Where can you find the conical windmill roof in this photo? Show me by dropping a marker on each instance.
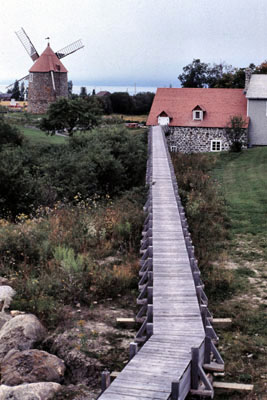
(48, 61)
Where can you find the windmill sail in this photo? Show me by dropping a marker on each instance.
(27, 44)
(71, 48)
(25, 78)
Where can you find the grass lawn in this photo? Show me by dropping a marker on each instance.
(134, 118)
(38, 137)
(243, 179)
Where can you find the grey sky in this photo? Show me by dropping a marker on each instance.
(128, 41)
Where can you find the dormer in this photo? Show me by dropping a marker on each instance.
(164, 118)
(198, 113)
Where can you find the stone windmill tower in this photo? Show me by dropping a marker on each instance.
(48, 78)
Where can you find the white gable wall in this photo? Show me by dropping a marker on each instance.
(163, 120)
(257, 112)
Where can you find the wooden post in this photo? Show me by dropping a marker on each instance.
(149, 329)
(150, 278)
(204, 311)
(175, 390)
(133, 350)
(149, 295)
(105, 380)
(207, 352)
(194, 368)
(149, 313)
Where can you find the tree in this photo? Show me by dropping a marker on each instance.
(216, 72)
(70, 86)
(142, 102)
(22, 91)
(122, 102)
(83, 92)
(235, 132)
(222, 75)
(15, 91)
(82, 114)
(195, 74)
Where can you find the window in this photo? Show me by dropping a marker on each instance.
(198, 115)
(174, 148)
(216, 145)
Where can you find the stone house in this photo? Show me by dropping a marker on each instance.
(197, 118)
(256, 93)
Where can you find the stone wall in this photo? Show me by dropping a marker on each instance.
(41, 93)
(197, 140)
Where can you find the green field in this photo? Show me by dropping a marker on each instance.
(243, 180)
(38, 137)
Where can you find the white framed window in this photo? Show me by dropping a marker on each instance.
(31, 77)
(174, 149)
(216, 145)
(197, 115)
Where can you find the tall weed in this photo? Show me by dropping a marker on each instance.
(206, 213)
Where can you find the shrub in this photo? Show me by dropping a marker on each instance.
(58, 258)
(10, 135)
(103, 162)
(236, 132)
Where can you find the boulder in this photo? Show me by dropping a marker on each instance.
(31, 366)
(31, 391)
(20, 333)
(4, 318)
(6, 295)
(82, 366)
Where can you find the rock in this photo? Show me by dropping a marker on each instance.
(6, 294)
(82, 367)
(14, 313)
(4, 318)
(20, 333)
(31, 366)
(31, 391)
(78, 392)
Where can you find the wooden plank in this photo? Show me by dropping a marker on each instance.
(232, 386)
(221, 322)
(125, 321)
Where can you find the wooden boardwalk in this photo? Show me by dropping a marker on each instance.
(176, 340)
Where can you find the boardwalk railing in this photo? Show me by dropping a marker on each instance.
(174, 349)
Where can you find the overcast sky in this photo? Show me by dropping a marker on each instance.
(146, 42)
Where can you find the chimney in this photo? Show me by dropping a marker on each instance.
(248, 73)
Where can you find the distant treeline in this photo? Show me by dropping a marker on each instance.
(121, 102)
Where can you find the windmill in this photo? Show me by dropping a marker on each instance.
(47, 77)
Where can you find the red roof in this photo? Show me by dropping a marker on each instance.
(219, 105)
(47, 62)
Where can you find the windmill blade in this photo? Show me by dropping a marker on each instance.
(27, 44)
(71, 48)
(18, 80)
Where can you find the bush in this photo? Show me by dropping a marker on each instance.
(102, 162)
(10, 135)
(236, 133)
(60, 258)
